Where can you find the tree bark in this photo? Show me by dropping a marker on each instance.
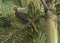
(51, 22)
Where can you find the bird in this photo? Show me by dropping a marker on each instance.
(25, 18)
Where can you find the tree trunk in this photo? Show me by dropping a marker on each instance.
(51, 23)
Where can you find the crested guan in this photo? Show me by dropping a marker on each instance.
(25, 18)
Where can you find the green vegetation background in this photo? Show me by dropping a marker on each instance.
(13, 31)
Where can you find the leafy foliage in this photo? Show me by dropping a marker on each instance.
(16, 32)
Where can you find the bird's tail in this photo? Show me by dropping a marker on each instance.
(34, 26)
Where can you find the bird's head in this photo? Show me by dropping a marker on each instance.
(14, 8)
(19, 9)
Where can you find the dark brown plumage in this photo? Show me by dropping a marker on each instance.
(24, 18)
